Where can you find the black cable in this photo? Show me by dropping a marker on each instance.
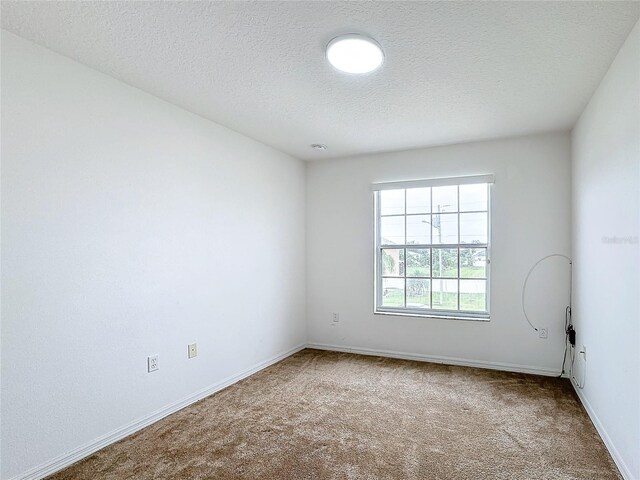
(567, 316)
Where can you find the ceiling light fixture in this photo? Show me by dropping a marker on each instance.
(318, 146)
(355, 54)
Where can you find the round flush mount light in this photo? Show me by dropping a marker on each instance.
(354, 54)
(318, 146)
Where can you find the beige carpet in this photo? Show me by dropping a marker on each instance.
(323, 415)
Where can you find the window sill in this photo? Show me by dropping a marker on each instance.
(395, 313)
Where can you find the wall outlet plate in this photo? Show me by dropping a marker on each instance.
(543, 332)
(193, 350)
(152, 363)
(335, 317)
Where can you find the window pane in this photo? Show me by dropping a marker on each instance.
(418, 200)
(393, 262)
(473, 263)
(473, 197)
(473, 228)
(444, 262)
(445, 228)
(393, 292)
(433, 247)
(418, 262)
(392, 230)
(473, 295)
(418, 294)
(392, 202)
(445, 199)
(418, 229)
(445, 294)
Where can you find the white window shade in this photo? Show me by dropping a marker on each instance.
(433, 182)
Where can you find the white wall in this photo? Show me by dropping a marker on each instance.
(606, 204)
(531, 218)
(131, 227)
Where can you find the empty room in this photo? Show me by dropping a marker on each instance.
(320, 240)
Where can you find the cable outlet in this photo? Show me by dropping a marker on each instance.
(193, 350)
(543, 332)
(152, 363)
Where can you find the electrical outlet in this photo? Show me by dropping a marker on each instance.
(335, 317)
(152, 363)
(543, 332)
(583, 352)
(193, 350)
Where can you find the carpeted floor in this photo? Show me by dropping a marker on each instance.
(325, 415)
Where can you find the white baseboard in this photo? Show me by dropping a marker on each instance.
(617, 458)
(79, 453)
(508, 367)
(73, 456)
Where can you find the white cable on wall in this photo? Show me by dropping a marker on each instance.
(524, 285)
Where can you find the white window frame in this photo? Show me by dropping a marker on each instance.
(423, 312)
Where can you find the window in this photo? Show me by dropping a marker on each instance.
(433, 247)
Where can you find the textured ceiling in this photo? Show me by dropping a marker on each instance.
(454, 71)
